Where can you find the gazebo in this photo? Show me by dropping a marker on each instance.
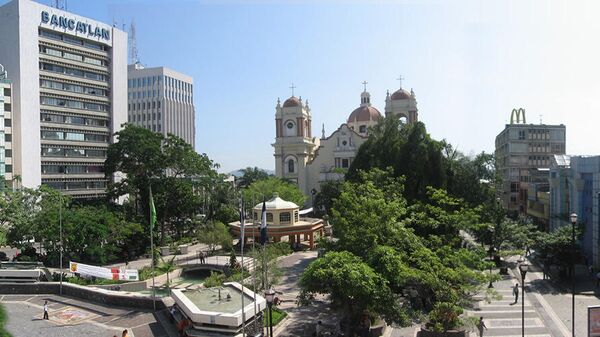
(283, 219)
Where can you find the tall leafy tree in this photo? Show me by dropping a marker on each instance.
(408, 150)
(267, 187)
(250, 175)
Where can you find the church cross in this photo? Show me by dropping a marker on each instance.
(399, 79)
(292, 87)
(364, 83)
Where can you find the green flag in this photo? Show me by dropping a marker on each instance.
(152, 211)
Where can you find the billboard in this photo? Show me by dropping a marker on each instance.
(594, 321)
(105, 273)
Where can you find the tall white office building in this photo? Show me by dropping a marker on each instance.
(69, 77)
(161, 100)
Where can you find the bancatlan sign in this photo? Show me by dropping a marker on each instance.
(105, 273)
(74, 25)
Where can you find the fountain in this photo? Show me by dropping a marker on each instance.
(219, 309)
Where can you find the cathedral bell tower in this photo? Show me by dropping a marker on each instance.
(294, 144)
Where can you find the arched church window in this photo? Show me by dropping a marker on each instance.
(362, 129)
(291, 165)
(290, 125)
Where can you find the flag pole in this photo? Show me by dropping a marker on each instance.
(254, 260)
(242, 225)
(152, 217)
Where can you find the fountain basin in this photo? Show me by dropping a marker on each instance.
(207, 312)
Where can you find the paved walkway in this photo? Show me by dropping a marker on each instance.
(300, 320)
(73, 317)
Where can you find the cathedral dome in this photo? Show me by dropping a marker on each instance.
(364, 114)
(400, 94)
(291, 102)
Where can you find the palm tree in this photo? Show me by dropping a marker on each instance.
(168, 267)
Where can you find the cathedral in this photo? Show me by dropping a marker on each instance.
(310, 161)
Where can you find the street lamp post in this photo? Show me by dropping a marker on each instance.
(491, 254)
(270, 296)
(523, 268)
(573, 224)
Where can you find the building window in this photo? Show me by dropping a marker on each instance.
(285, 217)
(291, 166)
(296, 216)
(8, 153)
(362, 129)
(6, 92)
(270, 217)
(7, 107)
(345, 163)
(521, 134)
(7, 137)
(8, 122)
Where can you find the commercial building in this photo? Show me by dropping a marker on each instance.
(69, 76)
(161, 100)
(575, 188)
(5, 129)
(522, 153)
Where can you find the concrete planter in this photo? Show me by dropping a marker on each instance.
(184, 249)
(164, 251)
(450, 333)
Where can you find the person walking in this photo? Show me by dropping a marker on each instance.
(481, 326)
(46, 310)
(516, 292)
(125, 333)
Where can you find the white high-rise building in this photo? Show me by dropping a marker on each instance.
(161, 100)
(69, 77)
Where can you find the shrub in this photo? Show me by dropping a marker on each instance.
(445, 316)
(214, 280)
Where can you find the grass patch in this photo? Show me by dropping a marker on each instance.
(3, 318)
(278, 316)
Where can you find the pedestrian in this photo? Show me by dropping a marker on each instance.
(125, 334)
(319, 329)
(481, 326)
(516, 292)
(45, 309)
(591, 271)
(598, 279)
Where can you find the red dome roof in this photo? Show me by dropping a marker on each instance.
(292, 101)
(364, 114)
(400, 94)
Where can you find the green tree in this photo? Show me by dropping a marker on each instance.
(367, 212)
(323, 202)
(556, 248)
(409, 150)
(168, 266)
(353, 286)
(215, 234)
(267, 187)
(250, 175)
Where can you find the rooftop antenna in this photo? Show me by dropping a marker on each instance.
(3, 73)
(541, 119)
(133, 52)
(60, 4)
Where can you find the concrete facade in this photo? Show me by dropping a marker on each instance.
(161, 100)
(6, 176)
(310, 161)
(575, 188)
(522, 152)
(69, 98)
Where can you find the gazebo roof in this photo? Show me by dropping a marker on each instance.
(276, 203)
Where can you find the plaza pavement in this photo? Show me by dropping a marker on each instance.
(73, 317)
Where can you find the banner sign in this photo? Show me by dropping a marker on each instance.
(594, 321)
(105, 273)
